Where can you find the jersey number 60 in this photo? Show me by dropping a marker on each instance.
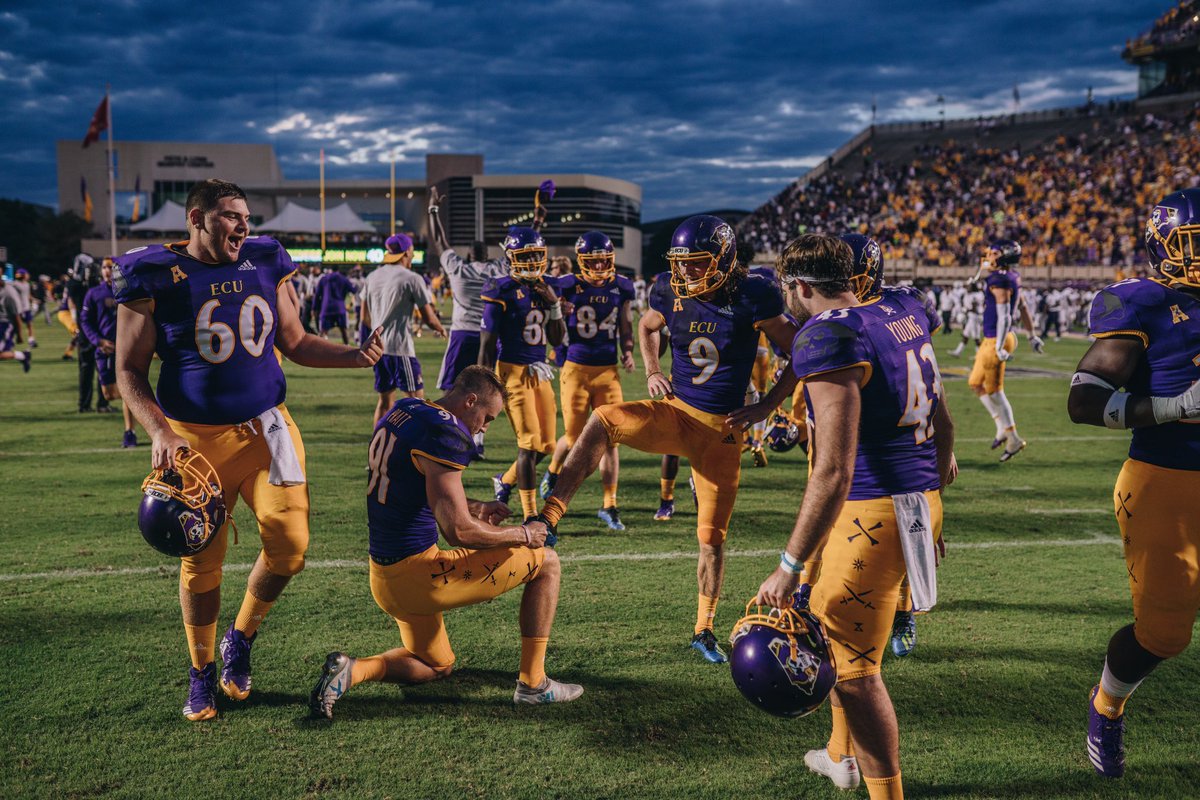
(215, 340)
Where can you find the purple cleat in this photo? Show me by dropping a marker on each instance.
(1105, 741)
(503, 490)
(666, 510)
(235, 671)
(202, 693)
(130, 439)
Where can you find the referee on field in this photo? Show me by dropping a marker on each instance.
(390, 295)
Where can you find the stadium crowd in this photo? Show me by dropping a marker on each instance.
(1179, 23)
(1070, 200)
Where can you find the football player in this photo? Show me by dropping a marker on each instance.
(24, 292)
(1143, 372)
(521, 313)
(465, 279)
(715, 312)
(390, 295)
(880, 448)
(98, 322)
(330, 302)
(215, 308)
(416, 459)
(10, 319)
(1001, 300)
(761, 374)
(600, 329)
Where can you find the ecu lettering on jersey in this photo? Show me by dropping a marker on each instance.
(215, 328)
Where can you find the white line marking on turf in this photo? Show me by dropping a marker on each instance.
(350, 563)
(363, 444)
(1057, 511)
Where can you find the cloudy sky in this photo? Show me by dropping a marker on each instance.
(707, 104)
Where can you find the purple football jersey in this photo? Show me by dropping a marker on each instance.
(98, 319)
(399, 519)
(1168, 323)
(1011, 280)
(594, 324)
(509, 312)
(915, 298)
(332, 289)
(889, 337)
(713, 348)
(216, 327)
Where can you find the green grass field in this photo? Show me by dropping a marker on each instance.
(991, 704)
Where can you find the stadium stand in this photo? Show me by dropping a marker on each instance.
(1070, 184)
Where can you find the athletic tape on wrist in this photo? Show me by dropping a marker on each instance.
(555, 312)
(1166, 409)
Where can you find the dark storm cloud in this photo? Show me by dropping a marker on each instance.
(706, 104)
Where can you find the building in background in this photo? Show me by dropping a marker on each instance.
(478, 206)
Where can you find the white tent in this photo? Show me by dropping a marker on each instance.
(170, 218)
(298, 219)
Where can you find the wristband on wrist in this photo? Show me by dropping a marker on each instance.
(556, 311)
(650, 375)
(790, 564)
(527, 535)
(1114, 412)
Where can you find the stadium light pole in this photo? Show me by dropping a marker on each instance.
(322, 193)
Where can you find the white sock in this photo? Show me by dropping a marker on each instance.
(1113, 687)
(19, 355)
(1007, 423)
(958, 349)
(989, 403)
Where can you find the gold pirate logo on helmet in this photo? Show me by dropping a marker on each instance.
(781, 661)
(1173, 237)
(527, 254)
(182, 508)
(594, 255)
(702, 255)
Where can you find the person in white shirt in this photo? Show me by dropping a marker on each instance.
(390, 295)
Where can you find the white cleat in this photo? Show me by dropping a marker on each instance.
(334, 681)
(844, 773)
(550, 691)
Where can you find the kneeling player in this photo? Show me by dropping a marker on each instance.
(1147, 340)
(416, 458)
(881, 448)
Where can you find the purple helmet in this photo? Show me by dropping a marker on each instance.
(1002, 254)
(782, 662)
(183, 508)
(784, 434)
(703, 253)
(1173, 237)
(594, 254)
(867, 279)
(526, 251)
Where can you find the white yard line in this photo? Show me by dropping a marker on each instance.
(361, 564)
(319, 445)
(1069, 511)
